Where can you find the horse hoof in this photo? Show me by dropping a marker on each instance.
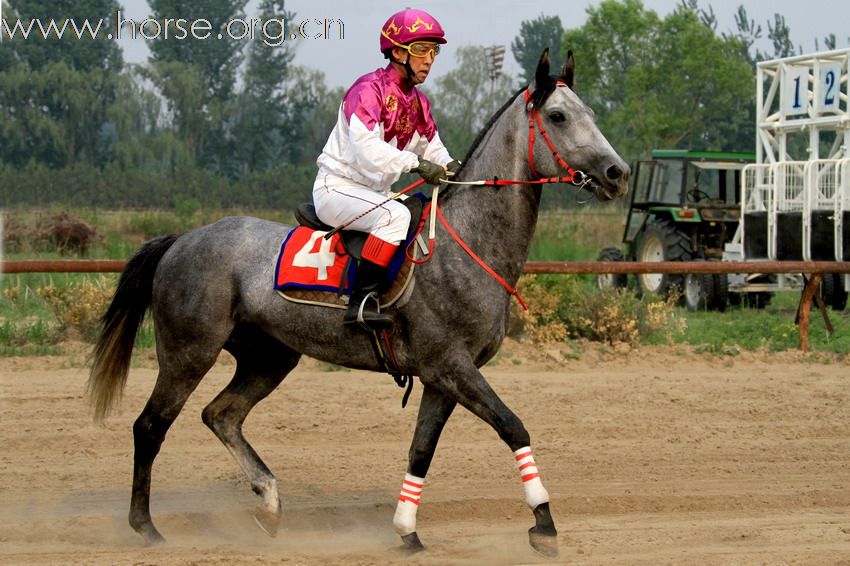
(412, 544)
(267, 520)
(154, 541)
(147, 531)
(542, 544)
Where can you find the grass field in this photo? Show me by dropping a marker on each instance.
(38, 312)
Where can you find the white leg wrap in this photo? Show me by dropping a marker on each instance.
(404, 520)
(535, 493)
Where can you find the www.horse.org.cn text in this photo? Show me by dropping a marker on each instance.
(273, 32)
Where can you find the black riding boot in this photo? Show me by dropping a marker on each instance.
(369, 278)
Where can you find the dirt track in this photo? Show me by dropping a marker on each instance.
(737, 461)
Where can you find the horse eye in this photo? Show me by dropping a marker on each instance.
(557, 116)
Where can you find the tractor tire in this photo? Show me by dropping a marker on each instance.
(721, 292)
(615, 280)
(661, 241)
(833, 292)
(699, 292)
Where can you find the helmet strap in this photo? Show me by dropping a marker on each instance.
(408, 70)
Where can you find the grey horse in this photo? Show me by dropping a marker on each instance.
(212, 288)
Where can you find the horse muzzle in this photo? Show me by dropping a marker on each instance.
(614, 184)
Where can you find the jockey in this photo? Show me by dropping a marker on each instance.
(384, 129)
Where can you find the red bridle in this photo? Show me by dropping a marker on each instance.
(573, 176)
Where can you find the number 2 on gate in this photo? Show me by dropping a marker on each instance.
(321, 259)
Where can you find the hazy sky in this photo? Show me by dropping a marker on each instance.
(498, 22)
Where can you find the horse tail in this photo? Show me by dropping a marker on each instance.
(120, 324)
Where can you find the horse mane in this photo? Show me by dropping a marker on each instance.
(483, 131)
(538, 97)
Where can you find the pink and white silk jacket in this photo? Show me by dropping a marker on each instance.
(382, 129)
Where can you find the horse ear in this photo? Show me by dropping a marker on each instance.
(541, 75)
(569, 70)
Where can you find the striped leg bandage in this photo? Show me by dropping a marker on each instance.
(535, 493)
(404, 520)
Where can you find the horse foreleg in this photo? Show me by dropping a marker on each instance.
(434, 410)
(255, 378)
(464, 383)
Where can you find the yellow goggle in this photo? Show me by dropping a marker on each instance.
(417, 48)
(422, 48)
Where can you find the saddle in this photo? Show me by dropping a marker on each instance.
(353, 240)
(346, 247)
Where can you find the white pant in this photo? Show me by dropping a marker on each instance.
(338, 200)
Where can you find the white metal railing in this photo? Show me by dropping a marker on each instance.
(821, 180)
(757, 195)
(842, 205)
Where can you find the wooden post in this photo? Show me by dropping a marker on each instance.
(805, 308)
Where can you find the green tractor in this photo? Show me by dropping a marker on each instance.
(685, 206)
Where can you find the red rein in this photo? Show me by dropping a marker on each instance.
(573, 176)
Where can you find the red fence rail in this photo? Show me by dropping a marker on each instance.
(539, 267)
(813, 268)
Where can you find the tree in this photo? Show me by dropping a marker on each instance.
(535, 36)
(780, 34)
(84, 53)
(216, 59)
(656, 83)
(312, 109)
(260, 110)
(56, 115)
(748, 32)
(461, 99)
(198, 76)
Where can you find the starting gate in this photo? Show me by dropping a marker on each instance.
(796, 197)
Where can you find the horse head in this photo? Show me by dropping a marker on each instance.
(572, 132)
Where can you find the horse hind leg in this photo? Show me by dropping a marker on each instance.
(261, 365)
(172, 389)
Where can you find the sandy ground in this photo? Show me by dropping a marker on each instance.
(659, 456)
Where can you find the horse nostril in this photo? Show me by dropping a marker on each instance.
(613, 173)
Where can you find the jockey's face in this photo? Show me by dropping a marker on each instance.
(421, 65)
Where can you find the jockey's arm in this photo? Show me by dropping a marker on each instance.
(375, 155)
(436, 152)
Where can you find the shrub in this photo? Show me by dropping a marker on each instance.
(65, 234)
(561, 307)
(543, 321)
(615, 315)
(78, 307)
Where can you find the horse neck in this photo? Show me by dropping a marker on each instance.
(497, 222)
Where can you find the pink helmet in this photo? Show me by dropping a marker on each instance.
(410, 25)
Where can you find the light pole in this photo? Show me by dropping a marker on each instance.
(495, 58)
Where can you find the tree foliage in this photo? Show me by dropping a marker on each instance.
(535, 36)
(260, 111)
(227, 123)
(81, 54)
(661, 83)
(216, 59)
(464, 99)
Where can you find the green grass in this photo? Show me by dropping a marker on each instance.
(576, 235)
(29, 338)
(28, 326)
(771, 329)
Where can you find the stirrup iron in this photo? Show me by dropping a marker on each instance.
(374, 296)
